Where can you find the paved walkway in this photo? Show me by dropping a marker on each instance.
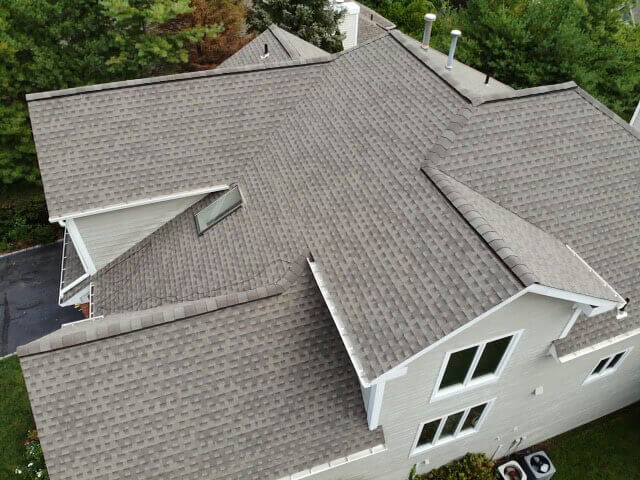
(29, 283)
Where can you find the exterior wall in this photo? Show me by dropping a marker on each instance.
(108, 235)
(516, 412)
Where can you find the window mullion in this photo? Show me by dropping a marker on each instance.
(474, 363)
(462, 420)
(436, 437)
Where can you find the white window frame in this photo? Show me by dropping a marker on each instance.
(459, 433)
(469, 383)
(606, 371)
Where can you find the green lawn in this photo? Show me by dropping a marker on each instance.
(15, 416)
(605, 449)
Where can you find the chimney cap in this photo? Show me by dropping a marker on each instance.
(430, 16)
(456, 33)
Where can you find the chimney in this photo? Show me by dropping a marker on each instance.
(429, 18)
(348, 26)
(452, 49)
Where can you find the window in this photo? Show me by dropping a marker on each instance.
(607, 365)
(219, 209)
(455, 425)
(473, 366)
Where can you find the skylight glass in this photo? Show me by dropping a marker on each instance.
(219, 209)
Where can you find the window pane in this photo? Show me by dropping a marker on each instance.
(474, 417)
(491, 356)
(451, 424)
(428, 432)
(600, 366)
(220, 208)
(458, 366)
(615, 360)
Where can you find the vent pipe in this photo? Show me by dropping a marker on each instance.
(429, 18)
(266, 51)
(452, 49)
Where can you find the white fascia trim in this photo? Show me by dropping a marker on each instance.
(138, 203)
(598, 346)
(81, 248)
(635, 116)
(336, 463)
(603, 305)
(602, 280)
(335, 315)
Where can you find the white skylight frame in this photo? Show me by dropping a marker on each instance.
(469, 382)
(458, 434)
(232, 189)
(606, 371)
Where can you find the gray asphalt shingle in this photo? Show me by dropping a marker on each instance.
(255, 390)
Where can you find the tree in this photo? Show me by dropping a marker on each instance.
(315, 21)
(53, 44)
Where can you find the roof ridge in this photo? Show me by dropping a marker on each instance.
(480, 224)
(286, 45)
(526, 92)
(118, 324)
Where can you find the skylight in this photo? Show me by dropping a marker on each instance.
(223, 206)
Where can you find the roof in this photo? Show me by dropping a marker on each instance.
(532, 254)
(328, 154)
(199, 389)
(296, 191)
(562, 161)
(281, 44)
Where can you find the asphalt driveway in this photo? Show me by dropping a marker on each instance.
(29, 283)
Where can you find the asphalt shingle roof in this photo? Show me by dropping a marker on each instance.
(197, 390)
(562, 161)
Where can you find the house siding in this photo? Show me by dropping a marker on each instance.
(516, 412)
(108, 235)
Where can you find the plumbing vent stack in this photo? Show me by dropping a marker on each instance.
(429, 18)
(266, 51)
(452, 49)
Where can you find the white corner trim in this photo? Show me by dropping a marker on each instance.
(635, 116)
(141, 202)
(375, 405)
(598, 346)
(572, 319)
(335, 315)
(335, 463)
(81, 248)
(602, 280)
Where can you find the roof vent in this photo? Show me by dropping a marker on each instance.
(429, 18)
(455, 34)
(266, 52)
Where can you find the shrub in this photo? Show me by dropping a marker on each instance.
(33, 466)
(473, 466)
(25, 223)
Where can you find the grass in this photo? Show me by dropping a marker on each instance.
(15, 416)
(605, 449)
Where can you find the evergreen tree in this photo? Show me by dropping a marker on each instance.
(315, 21)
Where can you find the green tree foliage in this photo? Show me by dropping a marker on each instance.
(526, 43)
(52, 44)
(473, 466)
(312, 20)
